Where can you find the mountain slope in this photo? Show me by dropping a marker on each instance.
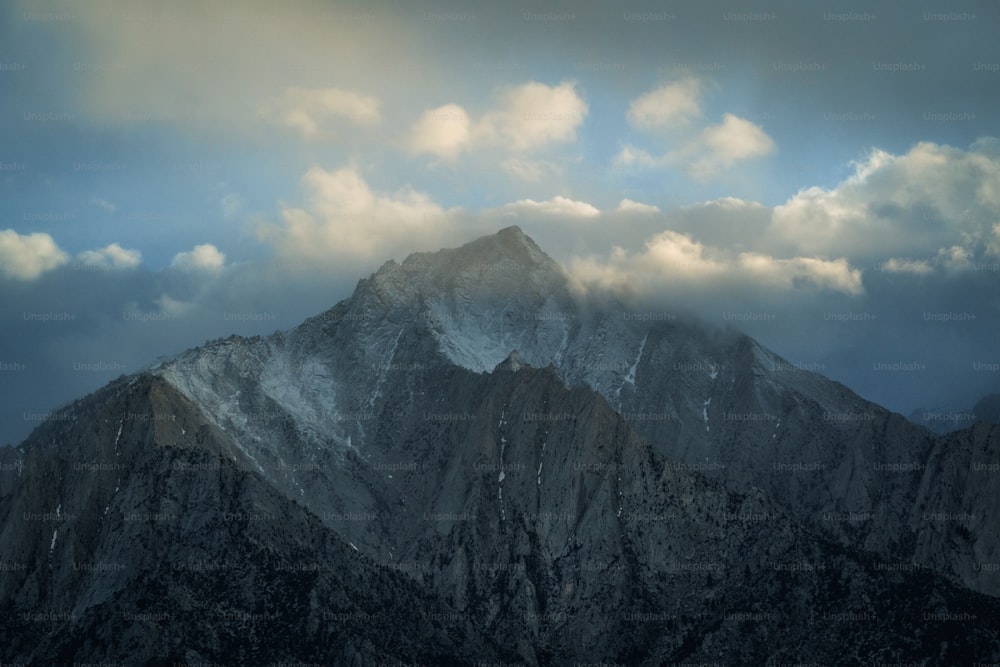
(535, 513)
(715, 401)
(133, 533)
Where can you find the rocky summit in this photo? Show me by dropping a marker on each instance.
(473, 461)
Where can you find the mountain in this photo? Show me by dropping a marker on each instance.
(472, 460)
(943, 421)
(948, 420)
(987, 409)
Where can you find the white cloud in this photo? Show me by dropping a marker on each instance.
(728, 204)
(444, 132)
(27, 256)
(629, 206)
(931, 198)
(715, 148)
(993, 241)
(722, 146)
(344, 218)
(676, 261)
(955, 258)
(534, 114)
(529, 117)
(205, 257)
(112, 256)
(557, 206)
(529, 171)
(631, 155)
(312, 111)
(669, 105)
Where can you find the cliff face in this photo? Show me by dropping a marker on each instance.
(133, 534)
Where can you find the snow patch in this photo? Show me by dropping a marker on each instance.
(630, 377)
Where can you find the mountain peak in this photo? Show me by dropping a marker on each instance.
(514, 362)
(509, 249)
(513, 231)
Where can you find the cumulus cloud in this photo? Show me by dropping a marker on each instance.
(312, 111)
(932, 201)
(534, 114)
(27, 256)
(204, 257)
(667, 106)
(111, 257)
(444, 131)
(528, 117)
(628, 206)
(715, 148)
(722, 146)
(557, 206)
(345, 218)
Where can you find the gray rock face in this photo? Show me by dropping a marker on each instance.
(160, 548)
(466, 461)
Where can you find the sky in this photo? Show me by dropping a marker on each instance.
(822, 175)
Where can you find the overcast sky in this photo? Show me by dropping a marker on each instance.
(824, 175)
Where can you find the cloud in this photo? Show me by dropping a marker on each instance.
(722, 146)
(534, 115)
(312, 111)
(676, 263)
(557, 206)
(104, 204)
(931, 201)
(345, 219)
(529, 171)
(715, 148)
(955, 258)
(528, 117)
(671, 105)
(444, 132)
(632, 155)
(209, 69)
(27, 256)
(111, 257)
(902, 265)
(629, 206)
(205, 258)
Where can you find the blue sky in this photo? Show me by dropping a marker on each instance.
(171, 173)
